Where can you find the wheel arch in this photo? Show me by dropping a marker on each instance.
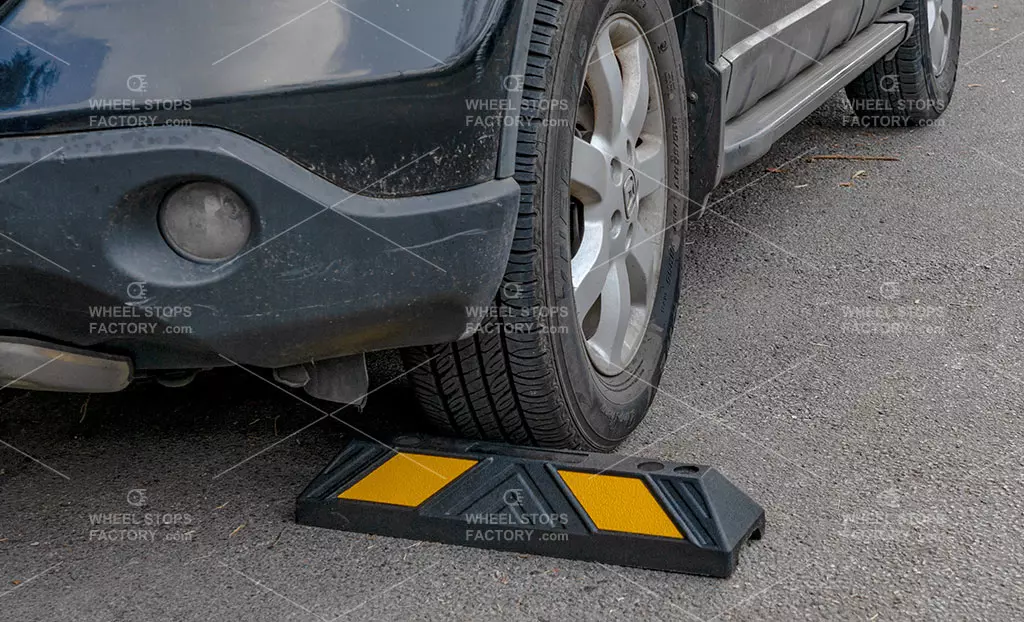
(705, 95)
(704, 90)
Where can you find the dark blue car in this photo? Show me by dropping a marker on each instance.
(496, 188)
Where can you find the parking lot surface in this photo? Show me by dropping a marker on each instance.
(848, 350)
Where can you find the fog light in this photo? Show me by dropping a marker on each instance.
(205, 222)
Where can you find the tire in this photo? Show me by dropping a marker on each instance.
(525, 376)
(906, 90)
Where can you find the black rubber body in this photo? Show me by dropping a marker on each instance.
(517, 499)
(903, 90)
(525, 377)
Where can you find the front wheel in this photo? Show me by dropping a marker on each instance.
(574, 348)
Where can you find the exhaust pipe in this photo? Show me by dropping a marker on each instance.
(40, 366)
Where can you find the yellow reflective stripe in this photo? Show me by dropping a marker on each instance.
(407, 479)
(617, 503)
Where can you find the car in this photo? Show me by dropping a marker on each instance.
(497, 189)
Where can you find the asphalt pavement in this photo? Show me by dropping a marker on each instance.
(853, 329)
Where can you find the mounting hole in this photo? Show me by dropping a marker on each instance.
(616, 223)
(686, 469)
(617, 171)
(650, 466)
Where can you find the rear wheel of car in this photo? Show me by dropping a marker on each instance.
(573, 350)
(915, 86)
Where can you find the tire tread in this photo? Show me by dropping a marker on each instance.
(498, 384)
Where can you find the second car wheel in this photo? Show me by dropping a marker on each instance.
(915, 85)
(574, 348)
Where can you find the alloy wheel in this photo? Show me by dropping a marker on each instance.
(619, 197)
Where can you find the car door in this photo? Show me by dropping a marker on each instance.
(765, 43)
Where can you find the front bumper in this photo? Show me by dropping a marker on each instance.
(83, 262)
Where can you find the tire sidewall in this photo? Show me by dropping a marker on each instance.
(606, 409)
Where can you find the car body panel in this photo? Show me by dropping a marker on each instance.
(752, 134)
(875, 9)
(347, 91)
(767, 43)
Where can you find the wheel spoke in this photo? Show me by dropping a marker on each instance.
(616, 308)
(589, 172)
(590, 268)
(641, 257)
(605, 80)
(940, 21)
(937, 37)
(650, 167)
(946, 15)
(636, 86)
